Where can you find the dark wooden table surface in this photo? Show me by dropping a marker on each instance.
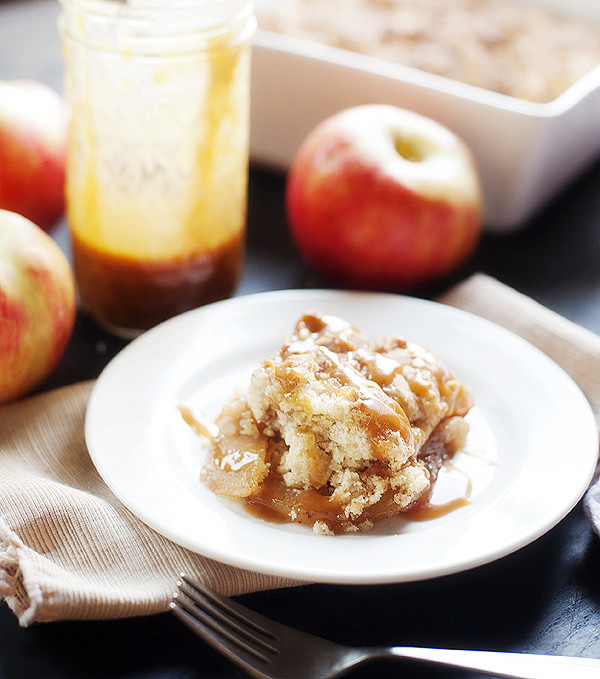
(544, 598)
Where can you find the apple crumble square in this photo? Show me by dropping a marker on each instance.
(335, 431)
(510, 47)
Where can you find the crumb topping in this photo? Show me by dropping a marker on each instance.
(336, 431)
(514, 48)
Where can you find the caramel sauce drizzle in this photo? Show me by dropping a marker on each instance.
(368, 373)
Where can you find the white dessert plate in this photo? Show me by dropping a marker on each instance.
(530, 454)
(526, 152)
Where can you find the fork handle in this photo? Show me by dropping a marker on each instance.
(499, 664)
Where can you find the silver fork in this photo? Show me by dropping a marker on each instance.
(271, 650)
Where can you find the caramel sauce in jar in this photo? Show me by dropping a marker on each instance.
(158, 154)
(122, 292)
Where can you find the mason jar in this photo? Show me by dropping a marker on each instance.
(157, 167)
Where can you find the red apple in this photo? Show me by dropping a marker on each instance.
(33, 148)
(384, 198)
(37, 305)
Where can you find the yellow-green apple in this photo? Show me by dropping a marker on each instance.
(37, 305)
(381, 197)
(33, 147)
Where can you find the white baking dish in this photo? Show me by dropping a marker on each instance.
(526, 152)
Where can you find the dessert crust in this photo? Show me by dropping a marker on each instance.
(510, 47)
(333, 429)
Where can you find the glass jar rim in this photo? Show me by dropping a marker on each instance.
(201, 13)
(151, 27)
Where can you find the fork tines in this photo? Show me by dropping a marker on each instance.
(219, 622)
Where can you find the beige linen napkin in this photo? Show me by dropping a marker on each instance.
(70, 550)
